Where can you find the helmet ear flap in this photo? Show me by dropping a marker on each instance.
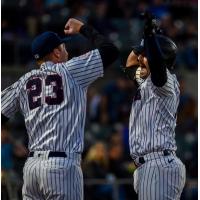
(138, 49)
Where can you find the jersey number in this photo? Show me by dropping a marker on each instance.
(34, 87)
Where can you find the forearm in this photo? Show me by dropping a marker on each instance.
(108, 51)
(155, 61)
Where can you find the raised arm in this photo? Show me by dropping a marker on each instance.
(160, 51)
(155, 61)
(108, 51)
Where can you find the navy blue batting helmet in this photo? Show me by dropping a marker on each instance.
(167, 46)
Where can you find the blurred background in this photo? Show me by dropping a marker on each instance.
(107, 166)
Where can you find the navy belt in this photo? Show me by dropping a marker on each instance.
(51, 154)
(165, 153)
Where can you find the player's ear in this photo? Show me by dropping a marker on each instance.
(56, 53)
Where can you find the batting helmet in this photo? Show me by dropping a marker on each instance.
(168, 49)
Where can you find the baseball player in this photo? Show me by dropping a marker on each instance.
(159, 174)
(52, 100)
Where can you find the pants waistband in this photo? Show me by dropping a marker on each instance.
(138, 161)
(51, 154)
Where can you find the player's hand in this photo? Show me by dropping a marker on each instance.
(150, 23)
(72, 26)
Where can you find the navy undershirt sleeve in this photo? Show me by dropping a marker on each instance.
(155, 61)
(108, 51)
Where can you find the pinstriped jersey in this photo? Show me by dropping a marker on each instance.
(153, 117)
(52, 100)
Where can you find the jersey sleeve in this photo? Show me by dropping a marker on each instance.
(169, 87)
(86, 68)
(10, 100)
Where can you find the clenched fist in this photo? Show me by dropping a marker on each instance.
(73, 26)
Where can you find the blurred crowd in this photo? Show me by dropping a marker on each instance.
(119, 20)
(106, 154)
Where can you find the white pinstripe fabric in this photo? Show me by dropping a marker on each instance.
(53, 178)
(151, 131)
(159, 179)
(53, 102)
(153, 117)
(67, 119)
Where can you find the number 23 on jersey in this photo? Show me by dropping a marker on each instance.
(35, 87)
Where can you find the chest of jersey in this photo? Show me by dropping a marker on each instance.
(143, 94)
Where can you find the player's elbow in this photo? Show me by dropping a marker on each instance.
(109, 54)
(114, 54)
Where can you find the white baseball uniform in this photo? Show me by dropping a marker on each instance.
(53, 102)
(160, 174)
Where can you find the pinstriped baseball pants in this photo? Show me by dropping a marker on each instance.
(160, 179)
(52, 179)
